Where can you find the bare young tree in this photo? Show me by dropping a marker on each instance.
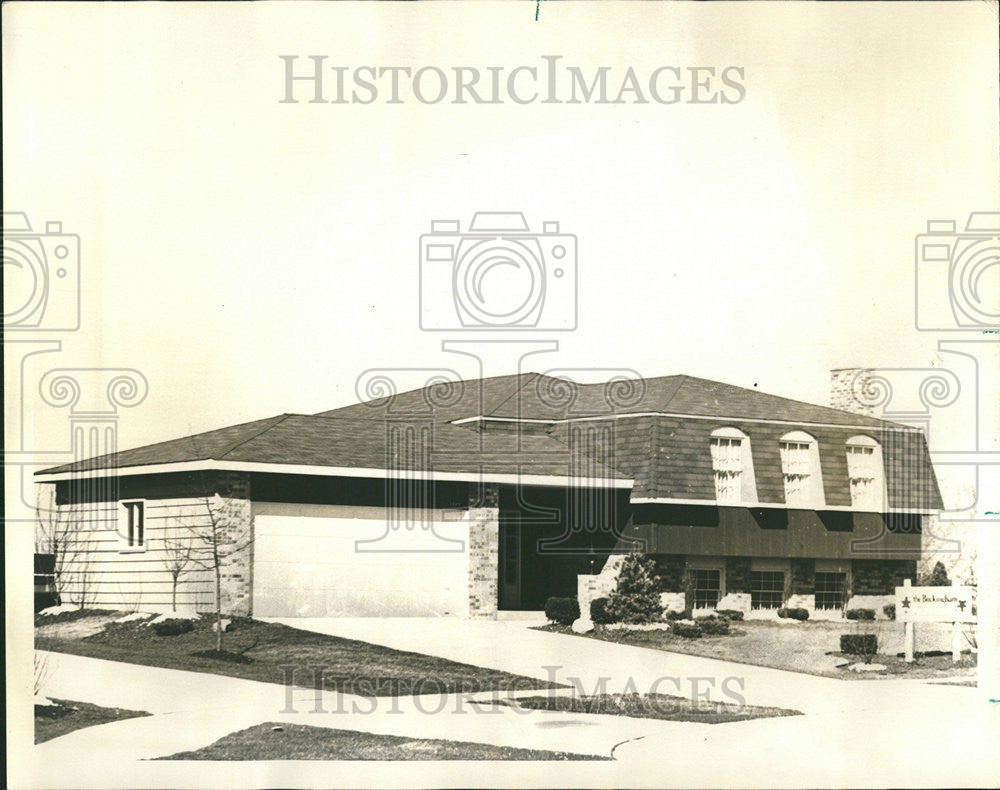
(179, 556)
(60, 532)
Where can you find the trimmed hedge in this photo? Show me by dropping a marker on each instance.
(711, 626)
(173, 627)
(562, 610)
(599, 613)
(730, 614)
(860, 614)
(682, 615)
(796, 613)
(686, 630)
(889, 610)
(859, 644)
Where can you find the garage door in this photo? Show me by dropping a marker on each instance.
(332, 561)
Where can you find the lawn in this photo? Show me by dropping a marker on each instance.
(666, 707)
(811, 647)
(273, 741)
(271, 652)
(65, 716)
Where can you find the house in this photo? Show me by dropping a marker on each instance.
(468, 498)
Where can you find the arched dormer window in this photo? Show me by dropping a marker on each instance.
(801, 470)
(732, 466)
(866, 473)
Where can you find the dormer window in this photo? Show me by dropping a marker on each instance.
(864, 469)
(732, 466)
(801, 470)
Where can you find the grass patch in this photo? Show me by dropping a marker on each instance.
(667, 707)
(925, 665)
(303, 742)
(271, 652)
(65, 716)
(811, 647)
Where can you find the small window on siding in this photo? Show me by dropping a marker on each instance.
(801, 470)
(132, 525)
(732, 467)
(865, 472)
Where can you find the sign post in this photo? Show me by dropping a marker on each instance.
(933, 605)
(909, 638)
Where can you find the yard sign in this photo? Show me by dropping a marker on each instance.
(933, 605)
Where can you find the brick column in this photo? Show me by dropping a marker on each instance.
(484, 549)
(237, 529)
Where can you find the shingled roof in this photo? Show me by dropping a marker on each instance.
(660, 429)
(376, 444)
(534, 396)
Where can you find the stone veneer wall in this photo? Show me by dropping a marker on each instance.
(484, 550)
(880, 577)
(803, 581)
(738, 574)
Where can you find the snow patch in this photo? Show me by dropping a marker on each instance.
(61, 609)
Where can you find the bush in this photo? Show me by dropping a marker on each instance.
(675, 615)
(797, 614)
(636, 599)
(599, 613)
(686, 630)
(783, 612)
(860, 614)
(173, 627)
(730, 614)
(562, 610)
(889, 610)
(711, 626)
(863, 645)
(938, 577)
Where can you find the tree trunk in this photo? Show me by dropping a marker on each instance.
(173, 597)
(218, 606)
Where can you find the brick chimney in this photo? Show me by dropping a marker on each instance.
(847, 388)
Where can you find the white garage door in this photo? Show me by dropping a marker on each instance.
(308, 562)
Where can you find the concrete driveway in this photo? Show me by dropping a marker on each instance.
(853, 732)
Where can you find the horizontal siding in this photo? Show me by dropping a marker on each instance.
(98, 572)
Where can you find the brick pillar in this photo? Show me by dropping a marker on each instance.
(484, 550)
(235, 522)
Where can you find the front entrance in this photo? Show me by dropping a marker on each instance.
(510, 561)
(543, 547)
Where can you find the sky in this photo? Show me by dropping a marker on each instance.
(251, 257)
